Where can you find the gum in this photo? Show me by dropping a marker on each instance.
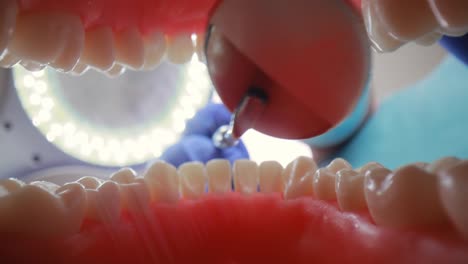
(168, 16)
(238, 229)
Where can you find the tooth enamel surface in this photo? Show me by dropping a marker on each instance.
(219, 176)
(8, 11)
(338, 164)
(104, 204)
(443, 164)
(192, 180)
(40, 37)
(155, 49)
(324, 184)
(453, 186)
(89, 182)
(34, 211)
(451, 16)
(369, 166)
(299, 176)
(79, 69)
(124, 176)
(163, 182)
(99, 50)
(350, 190)
(270, 177)
(245, 176)
(129, 48)
(429, 39)
(407, 198)
(8, 60)
(135, 196)
(47, 186)
(10, 185)
(32, 66)
(73, 48)
(115, 71)
(200, 46)
(180, 48)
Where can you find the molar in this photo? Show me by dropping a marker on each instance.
(324, 184)
(442, 164)
(47, 186)
(245, 176)
(99, 50)
(192, 180)
(407, 198)
(124, 176)
(270, 177)
(338, 164)
(163, 182)
(350, 190)
(89, 182)
(451, 16)
(219, 176)
(299, 176)
(180, 48)
(10, 185)
(453, 186)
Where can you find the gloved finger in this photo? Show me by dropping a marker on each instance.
(191, 148)
(237, 152)
(295, 69)
(208, 120)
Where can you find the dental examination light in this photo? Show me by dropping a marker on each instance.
(50, 119)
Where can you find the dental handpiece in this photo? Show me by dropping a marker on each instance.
(243, 118)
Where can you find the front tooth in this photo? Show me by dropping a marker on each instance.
(245, 176)
(8, 12)
(219, 176)
(442, 164)
(350, 190)
(74, 44)
(8, 60)
(192, 180)
(104, 204)
(407, 198)
(47, 186)
(180, 48)
(453, 185)
(89, 182)
(163, 182)
(11, 185)
(34, 211)
(99, 51)
(299, 175)
(79, 69)
(380, 39)
(32, 66)
(155, 49)
(124, 176)
(270, 177)
(116, 71)
(429, 39)
(451, 16)
(135, 196)
(39, 37)
(129, 48)
(324, 184)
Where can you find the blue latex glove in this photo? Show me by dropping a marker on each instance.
(196, 144)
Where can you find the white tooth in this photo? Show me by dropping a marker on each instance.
(116, 71)
(219, 176)
(124, 176)
(180, 48)
(135, 196)
(324, 184)
(32, 66)
(129, 48)
(10, 185)
(429, 39)
(245, 174)
(192, 180)
(155, 49)
(89, 182)
(369, 166)
(8, 60)
(163, 182)
(407, 198)
(8, 12)
(271, 177)
(104, 204)
(453, 186)
(299, 176)
(74, 45)
(443, 164)
(48, 186)
(79, 69)
(200, 46)
(34, 211)
(338, 164)
(99, 51)
(350, 190)
(40, 36)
